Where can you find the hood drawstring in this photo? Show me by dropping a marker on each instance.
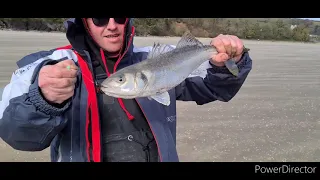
(130, 117)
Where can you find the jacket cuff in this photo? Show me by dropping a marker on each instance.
(224, 70)
(42, 105)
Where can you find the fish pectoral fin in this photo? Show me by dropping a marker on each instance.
(163, 98)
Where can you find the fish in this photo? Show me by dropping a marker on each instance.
(165, 68)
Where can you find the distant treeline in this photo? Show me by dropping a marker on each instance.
(251, 28)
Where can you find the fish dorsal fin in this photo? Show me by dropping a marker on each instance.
(159, 49)
(188, 39)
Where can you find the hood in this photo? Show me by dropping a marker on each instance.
(77, 35)
(81, 41)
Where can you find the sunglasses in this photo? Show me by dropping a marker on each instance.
(104, 21)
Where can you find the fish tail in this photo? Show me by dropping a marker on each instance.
(232, 67)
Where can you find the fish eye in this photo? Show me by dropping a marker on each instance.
(121, 79)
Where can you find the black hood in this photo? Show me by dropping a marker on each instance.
(81, 40)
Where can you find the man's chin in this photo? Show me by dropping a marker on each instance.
(112, 51)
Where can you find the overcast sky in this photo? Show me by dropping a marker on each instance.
(317, 19)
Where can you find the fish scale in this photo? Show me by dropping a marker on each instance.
(168, 71)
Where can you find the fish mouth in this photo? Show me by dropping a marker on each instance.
(108, 91)
(105, 89)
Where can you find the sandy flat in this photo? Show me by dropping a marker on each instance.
(274, 117)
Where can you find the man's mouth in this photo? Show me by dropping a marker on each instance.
(112, 36)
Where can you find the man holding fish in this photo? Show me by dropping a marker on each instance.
(101, 99)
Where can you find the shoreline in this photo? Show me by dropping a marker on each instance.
(164, 37)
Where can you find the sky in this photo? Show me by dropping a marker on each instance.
(316, 19)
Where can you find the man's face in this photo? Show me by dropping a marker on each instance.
(107, 32)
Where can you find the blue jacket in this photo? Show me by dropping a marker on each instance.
(29, 123)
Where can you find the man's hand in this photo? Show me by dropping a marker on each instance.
(57, 82)
(228, 46)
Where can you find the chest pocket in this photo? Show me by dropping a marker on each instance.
(125, 140)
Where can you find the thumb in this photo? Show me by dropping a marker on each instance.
(221, 57)
(66, 63)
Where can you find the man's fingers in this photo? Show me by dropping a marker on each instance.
(227, 45)
(57, 82)
(66, 63)
(65, 82)
(59, 72)
(68, 73)
(69, 64)
(239, 45)
(233, 46)
(218, 44)
(221, 57)
(62, 91)
(61, 82)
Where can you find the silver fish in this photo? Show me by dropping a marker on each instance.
(164, 68)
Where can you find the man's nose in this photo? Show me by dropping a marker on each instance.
(112, 24)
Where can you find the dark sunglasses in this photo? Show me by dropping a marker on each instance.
(104, 21)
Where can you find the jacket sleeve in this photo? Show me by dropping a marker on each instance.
(215, 83)
(27, 121)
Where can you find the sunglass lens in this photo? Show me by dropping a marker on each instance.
(120, 20)
(104, 21)
(100, 21)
